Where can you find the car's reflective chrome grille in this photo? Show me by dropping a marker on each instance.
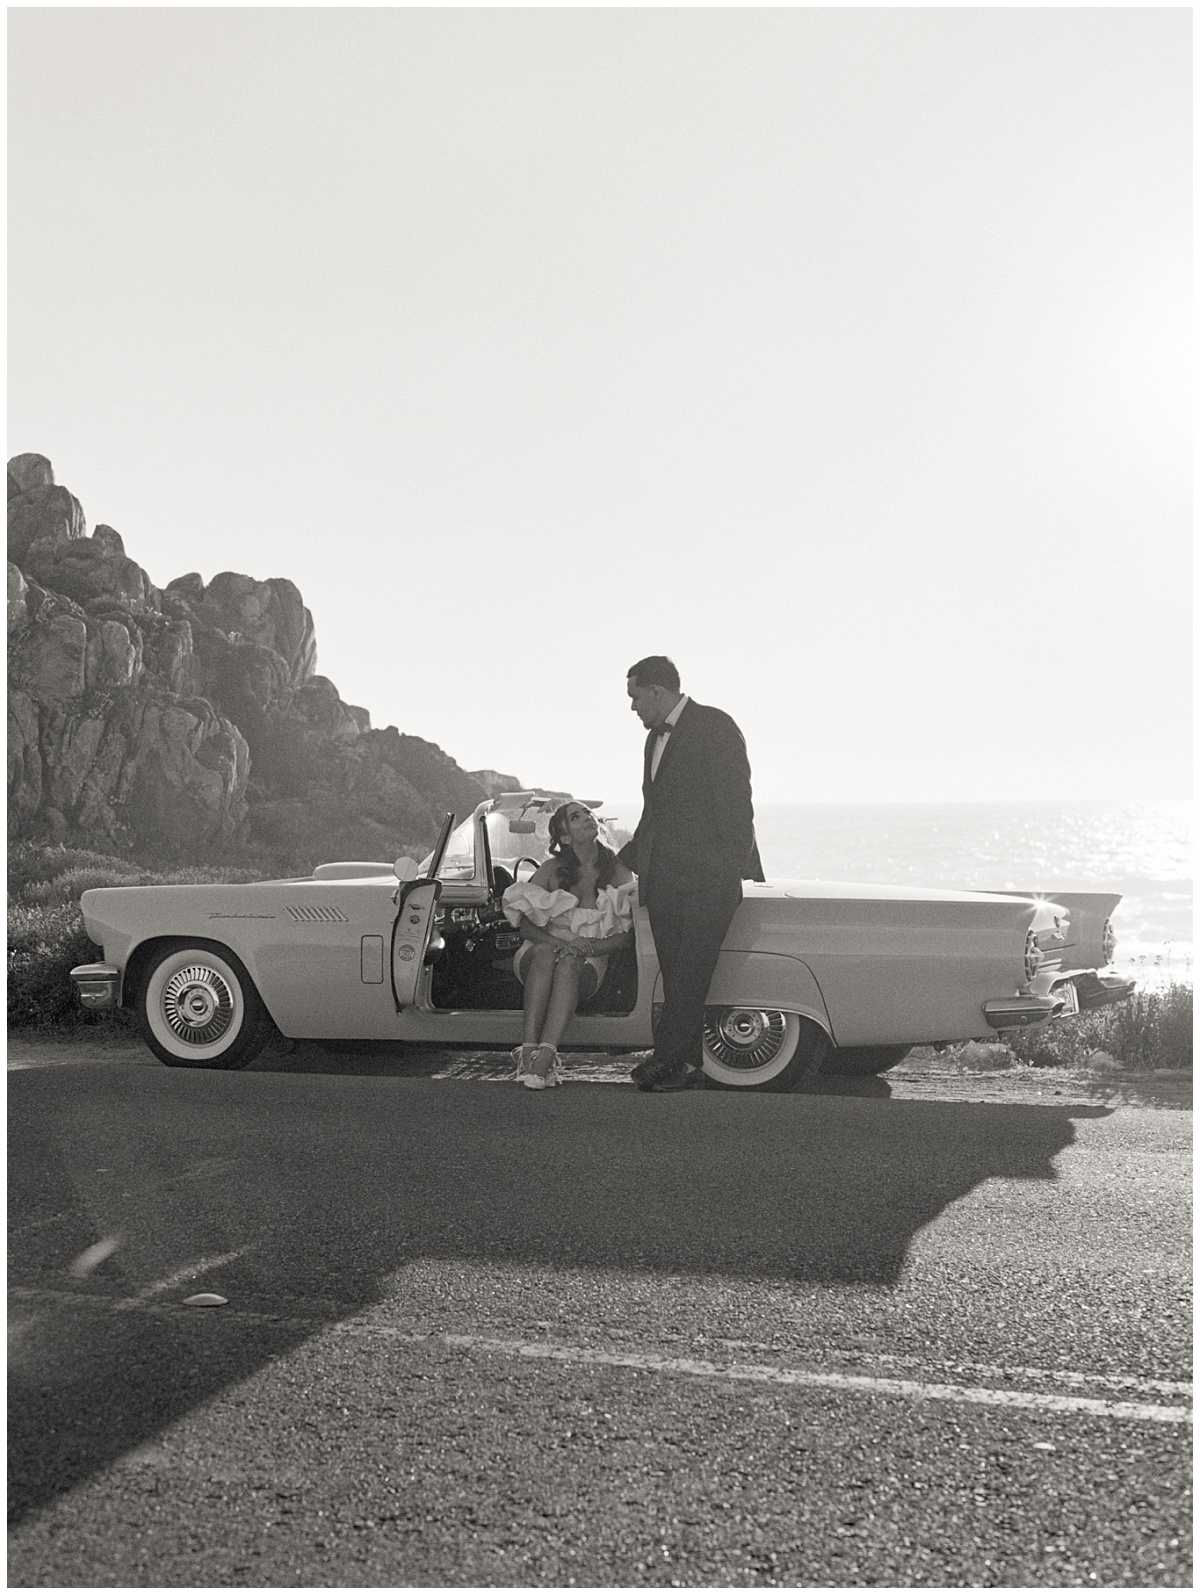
(318, 914)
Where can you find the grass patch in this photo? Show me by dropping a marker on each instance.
(1151, 1030)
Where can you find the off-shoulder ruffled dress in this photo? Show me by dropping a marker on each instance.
(560, 913)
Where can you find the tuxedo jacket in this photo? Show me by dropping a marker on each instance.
(697, 824)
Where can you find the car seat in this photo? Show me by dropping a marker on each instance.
(501, 880)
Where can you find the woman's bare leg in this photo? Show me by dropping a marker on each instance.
(564, 998)
(539, 977)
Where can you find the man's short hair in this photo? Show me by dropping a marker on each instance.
(654, 671)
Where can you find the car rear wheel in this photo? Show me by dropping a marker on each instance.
(862, 1060)
(198, 1008)
(760, 1049)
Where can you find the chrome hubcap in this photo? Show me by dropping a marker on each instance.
(198, 1005)
(744, 1038)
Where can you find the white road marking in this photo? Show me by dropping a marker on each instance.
(920, 1390)
(1062, 1376)
(181, 1276)
(736, 1372)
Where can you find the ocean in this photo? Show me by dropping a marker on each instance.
(1142, 850)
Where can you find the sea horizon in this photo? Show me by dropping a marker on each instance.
(1138, 848)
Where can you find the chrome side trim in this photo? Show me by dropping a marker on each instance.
(317, 914)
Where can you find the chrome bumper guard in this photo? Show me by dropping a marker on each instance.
(1078, 992)
(1017, 1013)
(1097, 991)
(97, 985)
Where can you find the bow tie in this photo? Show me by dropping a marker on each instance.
(663, 730)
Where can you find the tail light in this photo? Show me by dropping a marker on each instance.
(1108, 942)
(1033, 956)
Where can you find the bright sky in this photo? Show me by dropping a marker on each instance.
(843, 355)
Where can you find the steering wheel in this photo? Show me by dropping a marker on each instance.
(517, 866)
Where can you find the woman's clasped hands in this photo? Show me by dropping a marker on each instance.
(577, 947)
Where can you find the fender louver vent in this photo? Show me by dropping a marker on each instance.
(318, 916)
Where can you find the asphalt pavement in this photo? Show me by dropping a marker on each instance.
(480, 1336)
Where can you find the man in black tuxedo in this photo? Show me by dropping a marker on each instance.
(693, 847)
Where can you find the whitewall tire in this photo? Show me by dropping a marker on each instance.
(198, 1008)
(760, 1049)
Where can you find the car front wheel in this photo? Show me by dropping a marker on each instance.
(760, 1049)
(198, 1008)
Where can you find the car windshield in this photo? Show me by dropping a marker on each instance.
(459, 861)
(507, 846)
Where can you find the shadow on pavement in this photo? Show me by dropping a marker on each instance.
(316, 1189)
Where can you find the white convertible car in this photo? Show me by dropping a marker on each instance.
(813, 976)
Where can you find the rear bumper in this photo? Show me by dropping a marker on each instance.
(1087, 990)
(97, 985)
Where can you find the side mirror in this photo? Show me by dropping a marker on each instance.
(406, 869)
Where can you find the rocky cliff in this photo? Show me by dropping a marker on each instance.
(188, 721)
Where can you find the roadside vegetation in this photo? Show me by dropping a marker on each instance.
(1153, 1030)
(46, 938)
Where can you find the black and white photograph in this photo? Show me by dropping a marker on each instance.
(599, 797)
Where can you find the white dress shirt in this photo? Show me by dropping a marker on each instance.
(671, 720)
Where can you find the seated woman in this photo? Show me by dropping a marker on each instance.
(575, 910)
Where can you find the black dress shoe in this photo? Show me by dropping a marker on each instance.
(652, 1076)
(648, 1073)
(682, 1080)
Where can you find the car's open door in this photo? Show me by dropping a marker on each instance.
(416, 907)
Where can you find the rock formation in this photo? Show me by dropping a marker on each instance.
(188, 721)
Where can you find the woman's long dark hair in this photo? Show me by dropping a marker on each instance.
(567, 859)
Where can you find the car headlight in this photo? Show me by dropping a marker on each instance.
(1108, 942)
(1033, 955)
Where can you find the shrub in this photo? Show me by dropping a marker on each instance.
(44, 943)
(70, 886)
(1151, 1030)
(46, 935)
(30, 863)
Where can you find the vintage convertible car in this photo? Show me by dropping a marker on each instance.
(840, 979)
